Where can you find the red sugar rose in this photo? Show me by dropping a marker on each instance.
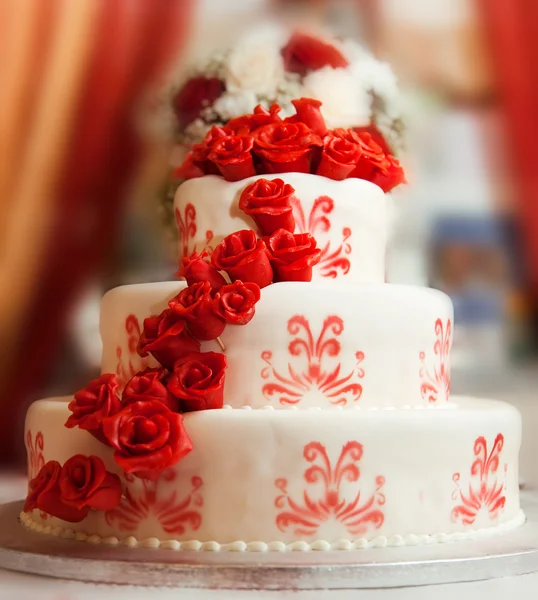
(243, 256)
(197, 163)
(198, 381)
(194, 96)
(261, 116)
(305, 53)
(149, 385)
(286, 147)
(372, 155)
(308, 112)
(195, 268)
(232, 156)
(166, 338)
(195, 305)
(235, 302)
(94, 402)
(44, 494)
(147, 438)
(377, 136)
(340, 156)
(85, 482)
(389, 175)
(268, 202)
(293, 255)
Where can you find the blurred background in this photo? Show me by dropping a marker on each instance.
(82, 153)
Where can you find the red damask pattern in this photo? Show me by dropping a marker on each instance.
(436, 386)
(34, 449)
(146, 500)
(324, 498)
(187, 228)
(314, 366)
(36, 457)
(485, 491)
(333, 262)
(136, 363)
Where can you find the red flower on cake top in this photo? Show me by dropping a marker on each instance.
(263, 142)
(305, 53)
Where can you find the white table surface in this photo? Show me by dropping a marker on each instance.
(17, 586)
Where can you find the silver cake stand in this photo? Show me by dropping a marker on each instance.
(508, 554)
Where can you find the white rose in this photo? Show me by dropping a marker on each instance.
(255, 66)
(344, 102)
(231, 105)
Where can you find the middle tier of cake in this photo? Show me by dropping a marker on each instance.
(315, 345)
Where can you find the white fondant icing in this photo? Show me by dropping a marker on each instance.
(348, 219)
(316, 344)
(249, 471)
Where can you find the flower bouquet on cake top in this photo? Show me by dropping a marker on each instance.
(280, 396)
(273, 65)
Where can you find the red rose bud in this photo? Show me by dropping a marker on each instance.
(198, 381)
(94, 402)
(293, 255)
(286, 147)
(232, 156)
(195, 305)
(308, 112)
(235, 302)
(248, 123)
(85, 483)
(339, 156)
(305, 53)
(44, 494)
(389, 176)
(269, 203)
(372, 154)
(147, 438)
(197, 93)
(147, 386)
(243, 256)
(166, 338)
(195, 268)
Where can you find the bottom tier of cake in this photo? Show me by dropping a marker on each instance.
(305, 479)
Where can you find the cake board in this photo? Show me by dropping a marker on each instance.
(508, 554)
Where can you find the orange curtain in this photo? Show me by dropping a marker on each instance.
(71, 75)
(512, 31)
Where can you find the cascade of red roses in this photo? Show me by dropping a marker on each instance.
(144, 425)
(263, 142)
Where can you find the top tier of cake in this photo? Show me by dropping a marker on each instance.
(348, 219)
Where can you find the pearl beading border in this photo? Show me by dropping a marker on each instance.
(299, 546)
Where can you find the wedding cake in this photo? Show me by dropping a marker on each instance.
(281, 396)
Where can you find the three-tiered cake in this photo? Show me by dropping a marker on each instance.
(333, 428)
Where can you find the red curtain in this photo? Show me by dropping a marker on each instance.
(131, 43)
(512, 32)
